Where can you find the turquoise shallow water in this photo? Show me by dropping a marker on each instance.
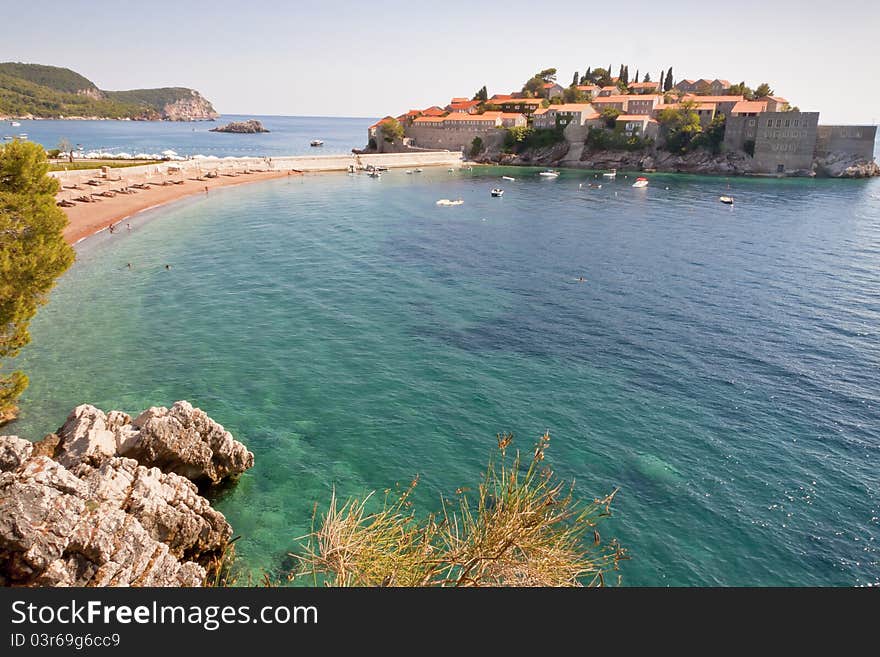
(719, 365)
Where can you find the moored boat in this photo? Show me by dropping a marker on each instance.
(497, 192)
(640, 182)
(610, 174)
(316, 142)
(549, 173)
(446, 202)
(727, 200)
(507, 178)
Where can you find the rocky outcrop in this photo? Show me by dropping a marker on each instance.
(241, 127)
(182, 440)
(75, 512)
(192, 108)
(844, 165)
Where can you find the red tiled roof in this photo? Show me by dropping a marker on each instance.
(430, 119)
(433, 111)
(379, 122)
(750, 107)
(713, 99)
(458, 100)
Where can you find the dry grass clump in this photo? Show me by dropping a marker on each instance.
(525, 528)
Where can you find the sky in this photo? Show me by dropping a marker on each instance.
(370, 59)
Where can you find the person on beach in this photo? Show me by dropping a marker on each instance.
(206, 189)
(111, 228)
(129, 227)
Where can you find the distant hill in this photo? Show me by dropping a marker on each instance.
(35, 90)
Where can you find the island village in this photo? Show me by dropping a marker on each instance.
(599, 121)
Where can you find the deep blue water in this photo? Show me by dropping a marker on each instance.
(289, 135)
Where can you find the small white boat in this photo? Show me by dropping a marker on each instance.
(610, 174)
(451, 170)
(640, 182)
(727, 200)
(419, 170)
(497, 192)
(549, 173)
(447, 202)
(408, 171)
(374, 174)
(14, 124)
(23, 135)
(507, 178)
(316, 142)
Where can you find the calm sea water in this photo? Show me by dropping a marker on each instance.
(289, 135)
(720, 365)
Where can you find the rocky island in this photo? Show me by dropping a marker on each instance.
(111, 501)
(250, 127)
(601, 121)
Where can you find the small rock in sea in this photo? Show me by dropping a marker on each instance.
(241, 127)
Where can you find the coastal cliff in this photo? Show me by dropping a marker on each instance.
(34, 91)
(111, 501)
(250, 127)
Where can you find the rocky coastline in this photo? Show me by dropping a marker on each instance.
(568, 155)
(109, 500)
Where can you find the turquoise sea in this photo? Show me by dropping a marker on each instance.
(721, 366)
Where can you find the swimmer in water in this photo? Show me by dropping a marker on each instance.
(167, 266)
(128, 265)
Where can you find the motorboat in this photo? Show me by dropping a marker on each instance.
(549, 173)
(15, 124)
(374, 174)
(595, 186)
(316, 142)
(409, 172)
(420, 170)
(727, 200)
(610, 174)
(640, 182)
(497, 192)
(23, 135)
(507, 178)
(447, 202)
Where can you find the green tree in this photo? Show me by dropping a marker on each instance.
(575, 79)
(482, 95)
(741, 90)
(763, 90)
(476, 146)
(636, 79)
(680, 126)
(33, 253)
(610, 115)
(624, 77)
(647, 77)
(391, 130)
(548, 75)
(602, 77)
(667, 85)
(588, 77)
(573, 95)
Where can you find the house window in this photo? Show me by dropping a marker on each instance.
(787, 123)
(751, 123)
(797, 123)
(770, 123)
(778, 123)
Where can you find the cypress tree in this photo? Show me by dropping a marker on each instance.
(667, 86)
(636, 79)
(575, 79)
(33, 253)
(588, 76)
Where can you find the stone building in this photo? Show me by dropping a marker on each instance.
(785, 142)
(854, 140)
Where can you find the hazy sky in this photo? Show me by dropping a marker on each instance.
(368, 58)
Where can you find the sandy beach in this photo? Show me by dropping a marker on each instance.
(93, 199)
(88, 218)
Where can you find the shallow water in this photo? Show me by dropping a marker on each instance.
(719, 365)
